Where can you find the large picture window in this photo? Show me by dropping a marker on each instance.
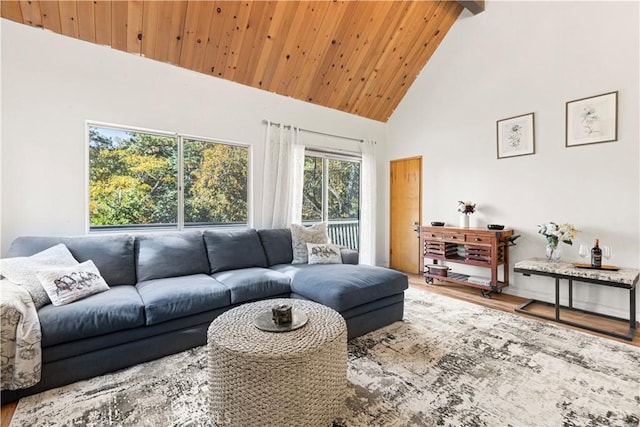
(331, 192)
(140, 179)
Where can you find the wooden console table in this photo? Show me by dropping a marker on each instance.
(478, 247)
(624, 278)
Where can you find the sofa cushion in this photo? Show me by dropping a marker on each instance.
(277, 245)
(232, 249)
(301, 235)
(112, 254)
(23, 270)
(249, 284)
(349, 256)
(175, 297)
(173, 254)
(116, 309)
(343, 286)
(65, 285)
(320, 253)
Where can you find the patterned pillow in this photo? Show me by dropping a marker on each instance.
(301, 235)
(324, 254)
(69, 284)
(22, 270)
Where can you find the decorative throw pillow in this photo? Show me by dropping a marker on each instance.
(22, 270)
(324, 254)
(69, 284)
(301, 235)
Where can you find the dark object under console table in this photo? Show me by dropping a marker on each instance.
(624, 278)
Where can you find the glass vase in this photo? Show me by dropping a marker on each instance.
(553, 252)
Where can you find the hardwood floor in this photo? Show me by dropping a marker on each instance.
(502, 302)
(7, 413)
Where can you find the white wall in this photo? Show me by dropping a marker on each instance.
(518, 58)
(52, 84)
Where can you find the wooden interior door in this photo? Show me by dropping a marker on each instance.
(405, 212)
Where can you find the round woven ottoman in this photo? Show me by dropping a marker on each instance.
(259, 378)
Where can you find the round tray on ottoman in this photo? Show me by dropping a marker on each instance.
(259, 378)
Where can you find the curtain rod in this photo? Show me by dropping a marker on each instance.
(315, 132)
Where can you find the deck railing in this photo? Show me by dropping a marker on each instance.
(345, 232)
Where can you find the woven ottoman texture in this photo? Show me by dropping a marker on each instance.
(259, 378)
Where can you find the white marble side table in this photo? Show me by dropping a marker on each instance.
(624, 278)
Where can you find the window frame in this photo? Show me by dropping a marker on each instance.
(180, 224)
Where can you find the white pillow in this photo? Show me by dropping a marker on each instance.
(324, 254)
(301, 235)
(69, 284)
(22, 270)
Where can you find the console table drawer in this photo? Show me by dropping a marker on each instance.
(478, 240)
(455, 237)
(429, 235)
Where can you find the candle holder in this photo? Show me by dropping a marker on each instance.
(281, 314)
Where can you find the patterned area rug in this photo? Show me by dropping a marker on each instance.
(449, 363)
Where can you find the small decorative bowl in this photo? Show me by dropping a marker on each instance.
(437, 223)
(495, 226)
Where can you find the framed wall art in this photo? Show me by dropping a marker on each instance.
(516, 136)
(592, 120)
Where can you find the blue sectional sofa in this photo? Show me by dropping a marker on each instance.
(166, 288)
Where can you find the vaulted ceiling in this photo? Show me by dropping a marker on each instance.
(355, 56)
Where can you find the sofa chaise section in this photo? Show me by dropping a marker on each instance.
(368, 297)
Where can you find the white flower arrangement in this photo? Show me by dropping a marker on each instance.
(466, 208)
(555, 233)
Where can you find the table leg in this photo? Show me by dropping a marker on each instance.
(557, 298)
(570, 293)
(632, 308)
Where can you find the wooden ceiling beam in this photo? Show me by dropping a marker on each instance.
(474, 6)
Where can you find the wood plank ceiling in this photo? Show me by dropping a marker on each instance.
(360, 57)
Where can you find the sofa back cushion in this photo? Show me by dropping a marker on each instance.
(233, 249)
(113, 255)
(277, 245)
(171, 254)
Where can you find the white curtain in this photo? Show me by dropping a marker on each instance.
(282, 179)
(368, 204)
